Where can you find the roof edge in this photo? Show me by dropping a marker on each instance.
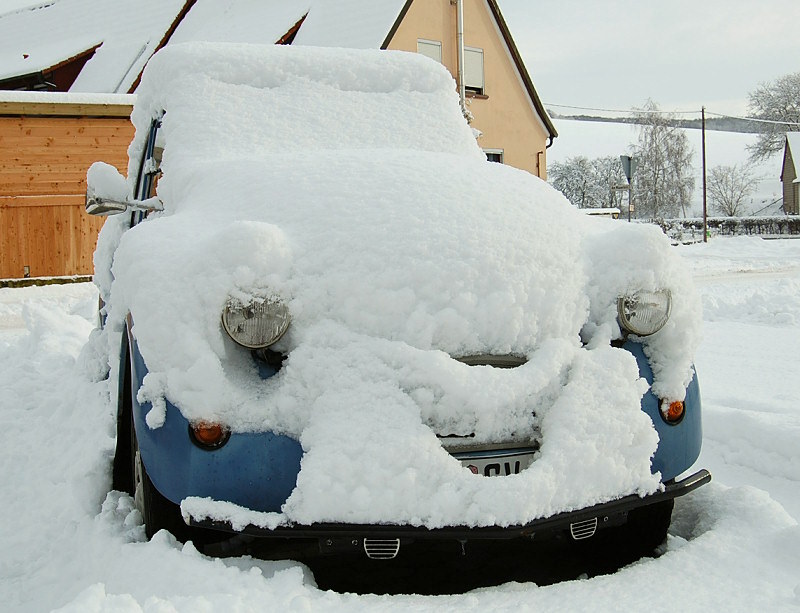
(65, 109)
(187, 6)
(526, 78)
(393, 30)
(288, 37)
(64, 104)
(78, 56)
(89, 51)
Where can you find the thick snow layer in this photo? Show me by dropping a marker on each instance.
(348, 183)
(360, 24)
(45, 34)
(242, 21)
(733, 544)
(67, 98)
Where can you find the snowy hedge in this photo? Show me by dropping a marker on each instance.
(691, 229)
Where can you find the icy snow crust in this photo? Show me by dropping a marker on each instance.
(348, 183)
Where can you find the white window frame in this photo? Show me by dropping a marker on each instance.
(499, 152)
(423, 45)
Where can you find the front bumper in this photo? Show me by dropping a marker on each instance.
(612, 513)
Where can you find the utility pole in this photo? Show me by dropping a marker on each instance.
(705, 210)
(629, 167)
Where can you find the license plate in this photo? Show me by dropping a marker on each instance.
(496, 463)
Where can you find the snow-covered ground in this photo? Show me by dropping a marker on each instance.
(734, 544)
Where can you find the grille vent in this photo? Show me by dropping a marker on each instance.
(583, 529)
(381, 549)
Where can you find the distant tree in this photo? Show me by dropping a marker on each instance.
(587, 183)
(777, 100)
(573, 178)
(663, 182)
(729, 187)
(608, 172)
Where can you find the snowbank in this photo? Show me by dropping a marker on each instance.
(69, 543)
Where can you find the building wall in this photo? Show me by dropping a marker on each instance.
(791, 190)
(44, 230)
(505, 114)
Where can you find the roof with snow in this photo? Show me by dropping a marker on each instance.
(360, 24)
(120, 36)
(44, 35)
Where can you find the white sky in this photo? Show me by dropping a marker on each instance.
(10, 5)
(681, 53)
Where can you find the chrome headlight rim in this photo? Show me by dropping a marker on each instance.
(644, 312)
(256, 323)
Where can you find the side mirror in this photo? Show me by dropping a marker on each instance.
(107, 193)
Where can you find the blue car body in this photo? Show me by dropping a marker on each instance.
(259, 470)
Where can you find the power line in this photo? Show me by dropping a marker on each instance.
(755, 120)
(588, 108)
(660, 112)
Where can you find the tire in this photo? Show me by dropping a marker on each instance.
(129, 473)
(122, 473)
(158, 513)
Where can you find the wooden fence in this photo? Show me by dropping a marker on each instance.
(45, 150)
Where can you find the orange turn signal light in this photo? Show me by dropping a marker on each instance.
(209, 435)
(674, 412)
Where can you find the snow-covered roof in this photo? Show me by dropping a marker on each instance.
(245, 21)
(65, 103)
(362, 24)
(130, 31)
(45, 34)
(66, 97)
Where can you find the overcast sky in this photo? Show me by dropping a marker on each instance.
(681, 53)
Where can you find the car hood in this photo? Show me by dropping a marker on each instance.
(388, 275)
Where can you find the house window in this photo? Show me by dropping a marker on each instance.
(473, 70)
(494, 155)
(430, 48)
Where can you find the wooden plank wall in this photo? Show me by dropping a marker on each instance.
(43, 163)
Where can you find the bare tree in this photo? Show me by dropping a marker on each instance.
(587, 183)
(573, 178)
(609, 174)
(664, 181)
(777, 100)
(729, 187)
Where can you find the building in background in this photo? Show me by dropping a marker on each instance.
(789, 175)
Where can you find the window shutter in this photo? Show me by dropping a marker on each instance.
(430, 48)
(473, 69)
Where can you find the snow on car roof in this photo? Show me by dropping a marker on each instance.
(348, 183)
(234, 100)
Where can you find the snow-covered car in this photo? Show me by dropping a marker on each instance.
(327, 316)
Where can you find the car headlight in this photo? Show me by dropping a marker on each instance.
(256, 324)
(644, 312)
